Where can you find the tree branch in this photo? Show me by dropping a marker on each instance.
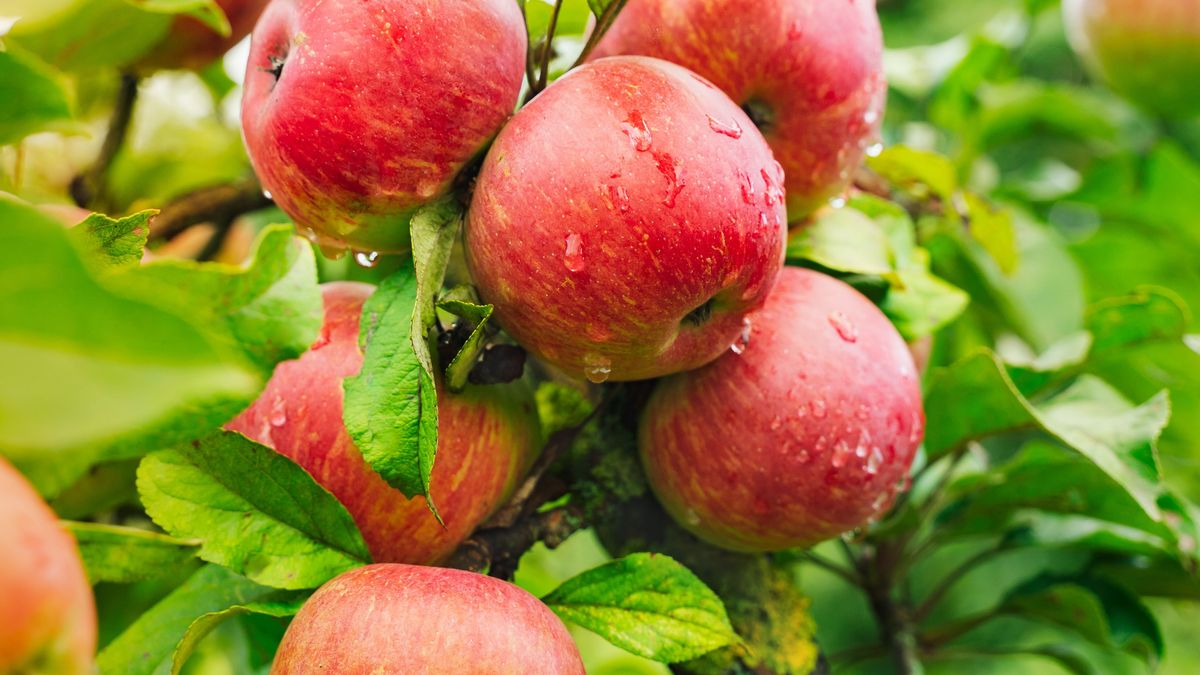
(218, 204)
(876, 567)
(89, 189)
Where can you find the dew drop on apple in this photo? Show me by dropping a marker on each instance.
(871, 116)
(803, 457)
(332, 252)
(267, 194)
(880, 502)
(874, 459)
(366, 259)
(573, 254)
(837, 202)
(860, 451)
(743, 341)
(597, 368)
(817, 406)
(841, 453)
(692, 518)
(845, 329)
(619, 197)
(731, 128)
(278, 414)
(637, 130)
(776, 423)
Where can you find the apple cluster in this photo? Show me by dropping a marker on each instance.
(628, 223)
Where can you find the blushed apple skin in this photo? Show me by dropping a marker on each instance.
(487, 438)
(377, 107)
(622, 198)
(1147, 50)
(816, 67)
(407, 619)
(193, 45)
(802, 437)
(47, 613)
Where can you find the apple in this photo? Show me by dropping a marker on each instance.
(487, 438)
(1147, 50)
(408, 619)
(804, 435)
(192, 44)
(356, 114)
(809, 73)
(625, 221)
(47, 614)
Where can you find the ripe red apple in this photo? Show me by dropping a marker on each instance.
(809, 72)
(801, 437)
(47, 614)
(487, 438)
(406, 619)
(625, 221)
(357, 113)
(192, 44)
(1147, 50)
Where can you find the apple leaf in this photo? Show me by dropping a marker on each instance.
(926, 172)
(269, 309)
(845, 240)
(35, 98)
(279, 605)
(116, 242)
(993, 228)
(149, 377)
(459, 368)
(648, 605)
(125, 554)
(252, 510)
(206, 11)
(147, 645)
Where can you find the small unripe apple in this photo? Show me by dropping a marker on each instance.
(626, 220)
(407, 619)
(357, 113)
(1147, 50)
(487, 438)
(809, 72)
(804, 435)
(192, 44)
(47, 614)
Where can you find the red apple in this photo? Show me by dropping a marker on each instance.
(1147, 50)
(357, 113)
(406, 619)
(487, 438)
(626, 220)
(809, 72)
(47, 615)
(803, 436)
(192, 44)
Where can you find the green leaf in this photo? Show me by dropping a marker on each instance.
(35, 98)
(561, 406)
(386, 403)
(146, 646)
(993, 228)
(917, 169)
(278, 605)
(648, 605)
(1149, 313)
(116, 242)
(126, 554)
(460, 366)
(253, 510)
(1098, 610)
(207, 11)
(150, 377)
(845, 240)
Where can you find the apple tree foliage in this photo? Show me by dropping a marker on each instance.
(1032, 233)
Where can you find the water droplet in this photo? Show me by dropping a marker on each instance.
(731, 128)
(817, 406)
(880, 501)
(332, 252)
(743, 341)
(871, 116)
(638, 132)
(278, 414)
(845, 329)
(763, 221)
(267, 194)
(863, 412)
(670, 168)
(837, 202)
(803, 457)
(841, 452)
(822, 443)
(573, 256)
(747, 185)
(597, 368)
(366, 258)
(776, 423)
(874, 460)
(860, 451)
(619, 197)
(795, 31)
(875, 150)
(772, 192)
(691, 518)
